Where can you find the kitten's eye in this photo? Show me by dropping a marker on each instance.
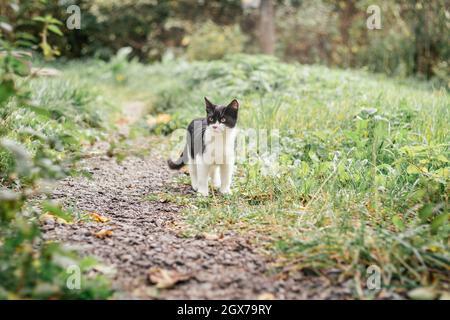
(210, 119)
(223, 120)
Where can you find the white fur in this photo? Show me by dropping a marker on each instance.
(217, 161)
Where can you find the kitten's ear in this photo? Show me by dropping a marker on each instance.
(209, 106)
(234, 105)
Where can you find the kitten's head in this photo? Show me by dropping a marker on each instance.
(221, 117)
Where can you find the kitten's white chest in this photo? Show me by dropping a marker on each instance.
(219, 147)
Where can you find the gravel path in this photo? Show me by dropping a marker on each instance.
(146, 257)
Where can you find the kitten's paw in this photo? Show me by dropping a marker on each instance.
(217, 184)
(203, 193)
(225, 190)
(194, 187)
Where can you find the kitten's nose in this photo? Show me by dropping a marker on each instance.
(215, 126)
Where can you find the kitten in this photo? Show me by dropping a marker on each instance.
(209, 149)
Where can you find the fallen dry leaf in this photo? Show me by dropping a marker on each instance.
(122, 121)
(47, 217)
(106, 270)
(103, 233)
(423, 293)
(212, 236)
(97, 217)
(164, 279)
(184, 169)
(266, 296)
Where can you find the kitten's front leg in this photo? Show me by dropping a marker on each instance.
(214, 173)
(202, 178)
(226, 173)
(193, 174)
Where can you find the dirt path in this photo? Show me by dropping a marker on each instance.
(143, 239)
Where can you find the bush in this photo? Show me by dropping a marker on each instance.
(211, 42)
(41, 125)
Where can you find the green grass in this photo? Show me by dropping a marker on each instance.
(363, 170)
(362, 173)
(65, 112)
(44, 127)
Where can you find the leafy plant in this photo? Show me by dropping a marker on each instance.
(48, 24)
(210, 42)
(30, 267)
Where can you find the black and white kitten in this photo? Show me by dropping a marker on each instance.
(209, 149)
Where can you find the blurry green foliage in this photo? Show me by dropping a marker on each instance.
(49, 25)
(413, 39)
(211, 42)
(38, 121)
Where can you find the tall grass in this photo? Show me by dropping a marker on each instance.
(44, 124)
(362, 174)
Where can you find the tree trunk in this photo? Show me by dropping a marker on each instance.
(346, 16)
(267, 27)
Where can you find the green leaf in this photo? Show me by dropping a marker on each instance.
(26, 36)
(20, 67)
(426, 211)
(40, 110)
(24, 43)
(39, 19)
(442, 158)
(55, 21)
(88, 263)
(442, 173)
(53, 28)
(413, 169)
(439, 221)
(313, 156)
(57, 211)
(398, 222)
(7, 90)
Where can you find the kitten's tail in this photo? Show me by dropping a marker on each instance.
(179, 163)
